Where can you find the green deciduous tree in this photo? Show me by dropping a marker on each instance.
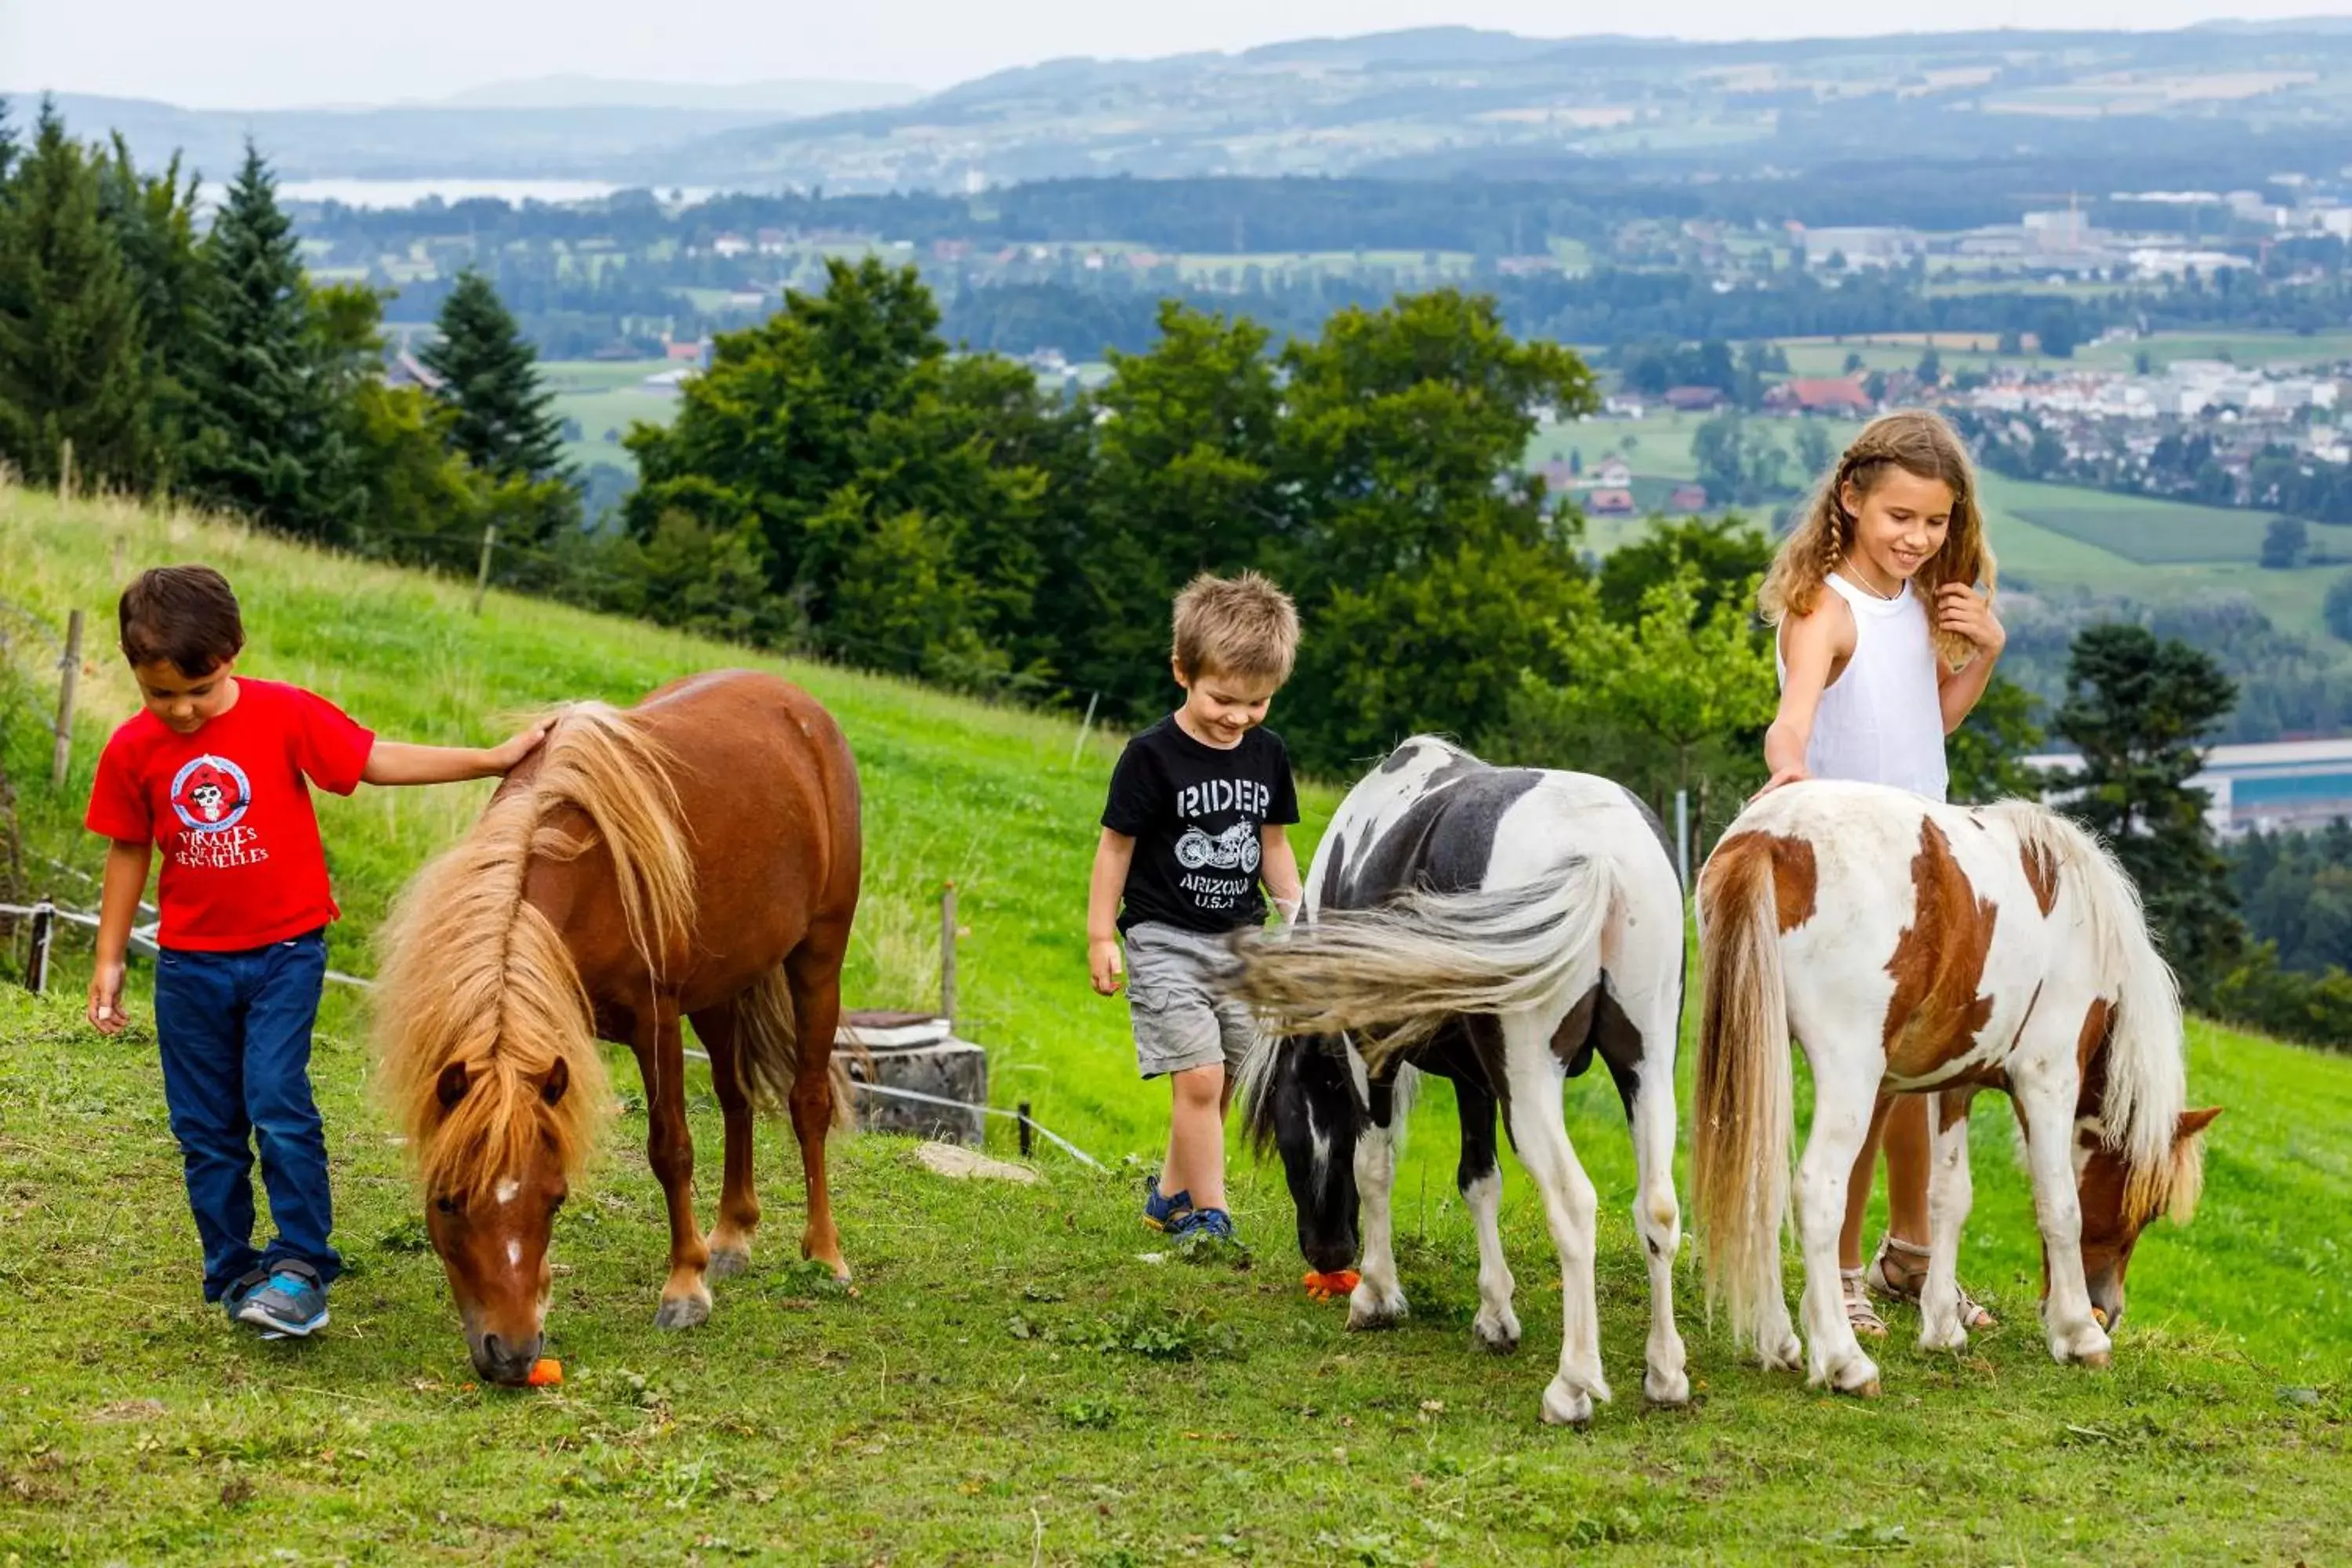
(1726, 554)
(73, 355)
(1400, 495)
(1183, 482)
(1986, 754)
(2285, 542)
(2137, 710)
(877, 472)
(1664, 703)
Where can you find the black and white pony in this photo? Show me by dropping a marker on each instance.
(1499, 927)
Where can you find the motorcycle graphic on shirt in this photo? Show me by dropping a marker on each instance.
(1234, 849)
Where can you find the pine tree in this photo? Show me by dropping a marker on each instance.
(155, 217)
(269, 446)
(505, 423)
(2139, 709)
(72, 356)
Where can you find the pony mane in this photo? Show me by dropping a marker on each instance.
(2146, 1078)
(470, 973)
(1253, 1086)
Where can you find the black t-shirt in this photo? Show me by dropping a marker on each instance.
(1195, 812)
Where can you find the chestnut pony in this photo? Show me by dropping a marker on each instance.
(694, 857)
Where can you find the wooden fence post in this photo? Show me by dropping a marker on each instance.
(64, 470)
(1028, 1136)
(1079, 745)
(68, 677)
(947, 953)
(45, 926)
(482, 577)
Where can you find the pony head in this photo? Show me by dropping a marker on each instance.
(2119, 1202)
(1299, 1097)
(491, 1206)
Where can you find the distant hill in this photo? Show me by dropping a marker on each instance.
(401, 143)
(2217, 107)
(764, 98)
(1453, 101)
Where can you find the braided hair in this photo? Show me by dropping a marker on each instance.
(1921, 445)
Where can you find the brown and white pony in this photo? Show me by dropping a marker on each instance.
(1917, 948)
(694, 857)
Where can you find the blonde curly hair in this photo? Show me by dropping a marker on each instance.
(1921, 445)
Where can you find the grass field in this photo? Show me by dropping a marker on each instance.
(606, 396)
(1012, 1381)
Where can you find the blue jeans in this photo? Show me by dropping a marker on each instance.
(234, 1029)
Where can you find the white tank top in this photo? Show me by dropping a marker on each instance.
(1882, 721)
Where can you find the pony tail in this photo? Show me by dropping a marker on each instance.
(1743, 1111)
(1388, 977)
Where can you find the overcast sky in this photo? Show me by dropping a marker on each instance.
(273, 53)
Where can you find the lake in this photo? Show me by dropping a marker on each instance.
(367, 192)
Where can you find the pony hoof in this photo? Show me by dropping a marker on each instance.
(1956, 1339)
(1789, 1357)
(1368, 1310)
(2098, 1360)
(1858, 1377)
(1671, 1391)
(1499, 1336)
(684, 1312)
(728, 1261)
(1565, 1407)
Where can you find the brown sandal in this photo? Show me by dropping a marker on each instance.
(1858, 1310)
(1882, 1280)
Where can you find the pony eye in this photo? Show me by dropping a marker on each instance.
(447, 1203)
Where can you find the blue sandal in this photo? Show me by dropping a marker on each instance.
(1165, 1211)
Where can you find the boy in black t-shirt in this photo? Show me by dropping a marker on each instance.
(1195, 824)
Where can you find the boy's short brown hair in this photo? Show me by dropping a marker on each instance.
(187, 614)
(1235, 626)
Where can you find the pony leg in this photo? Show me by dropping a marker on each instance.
(1649, 1093)
(2048, 1105)
(1845, 1100)
(813, 972)
(1951, 1192)
(1480, 1179)
(1571, 1208)
(729, 1241)
(1377, 1300)
(669, 1149)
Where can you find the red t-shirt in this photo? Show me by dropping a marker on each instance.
(230, 808)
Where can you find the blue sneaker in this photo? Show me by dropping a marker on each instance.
(1207, 1234)
(232, 1298)
(292, 1304)
(1163, 1211)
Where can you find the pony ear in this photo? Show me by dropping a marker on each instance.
(558, 1079)
(2193, 1122)
(452, 1085)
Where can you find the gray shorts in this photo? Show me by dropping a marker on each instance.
(1180, 1021)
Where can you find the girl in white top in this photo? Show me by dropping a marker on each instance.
(1873, 674)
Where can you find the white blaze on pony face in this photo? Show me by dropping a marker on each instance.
(507, 1189)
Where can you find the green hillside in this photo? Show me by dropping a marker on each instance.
(1012, 1381)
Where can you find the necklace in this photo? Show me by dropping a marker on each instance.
(1863, 582)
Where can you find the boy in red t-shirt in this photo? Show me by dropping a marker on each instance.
(215, 771)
